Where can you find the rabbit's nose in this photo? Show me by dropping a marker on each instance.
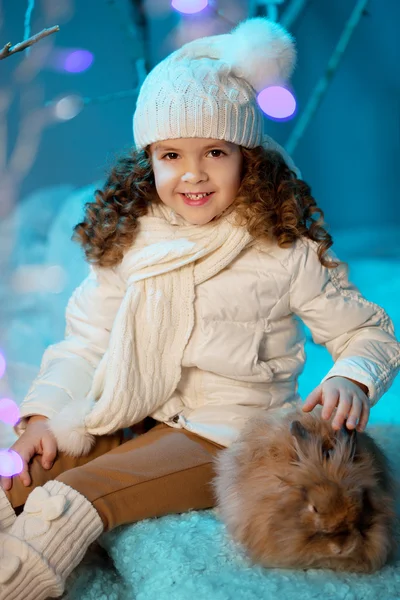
(351, 547)
(335, 548)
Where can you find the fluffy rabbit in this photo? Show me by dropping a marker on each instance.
(295, 493)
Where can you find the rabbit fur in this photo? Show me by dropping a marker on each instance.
(297, 494)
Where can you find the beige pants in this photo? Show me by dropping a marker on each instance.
(160, 471)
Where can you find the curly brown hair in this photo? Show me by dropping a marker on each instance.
(271, 203)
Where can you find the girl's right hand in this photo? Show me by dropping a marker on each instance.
(36, 439)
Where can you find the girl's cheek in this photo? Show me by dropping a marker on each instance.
(161, 176)
(166, 171)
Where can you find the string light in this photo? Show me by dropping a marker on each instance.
(70, 60)
(277, 102)
(68, 107)
(189, 7)
(78, 61)
(10, 461)
(9, 411)
(2, 365)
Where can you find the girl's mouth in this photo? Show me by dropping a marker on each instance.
(194, 202)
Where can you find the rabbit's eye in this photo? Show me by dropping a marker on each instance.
(312, 508)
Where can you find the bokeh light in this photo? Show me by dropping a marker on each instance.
(9, 411)
(69, 60)
(78, 61)
(2, 365)
(28, 279)
(68, 107)
(277, 102)
(189, 7)
(10, 463)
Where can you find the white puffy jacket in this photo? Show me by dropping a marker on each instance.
(247, 346)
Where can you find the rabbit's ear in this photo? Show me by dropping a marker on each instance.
(300, 434)
(349, 437)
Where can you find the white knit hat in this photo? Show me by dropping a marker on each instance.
(207, 88)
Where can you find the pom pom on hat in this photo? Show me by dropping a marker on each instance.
(261, 51)
(258, 50)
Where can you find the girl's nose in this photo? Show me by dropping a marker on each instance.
(194, 176)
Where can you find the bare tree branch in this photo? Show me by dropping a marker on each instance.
(105, 98)
(27, 22)
(323, 83)
(141, 25)
(125, 25)
(221, 14)
(10, 49)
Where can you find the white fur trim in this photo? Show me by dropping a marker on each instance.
(261, 51)
(68, 427)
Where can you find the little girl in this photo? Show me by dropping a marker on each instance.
(204, 253)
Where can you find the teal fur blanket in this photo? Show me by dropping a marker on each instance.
(190, 556)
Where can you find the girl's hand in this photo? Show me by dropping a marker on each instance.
(350, 398)
(36, 439)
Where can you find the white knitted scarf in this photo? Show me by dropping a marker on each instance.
(142, 366)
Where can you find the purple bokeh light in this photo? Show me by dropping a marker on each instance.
(10, 463)
(9, 411)
(2, 365)
(277, 102)
(189, 7)
(78, 61)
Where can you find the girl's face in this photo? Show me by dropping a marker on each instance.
(197, 166)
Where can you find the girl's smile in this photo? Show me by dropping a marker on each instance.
(191, 200)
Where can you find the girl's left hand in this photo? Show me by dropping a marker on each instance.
(348, 396)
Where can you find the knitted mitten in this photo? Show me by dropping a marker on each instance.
(7, 513)
(46, 542)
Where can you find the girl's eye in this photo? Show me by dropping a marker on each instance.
(174, 154)
(216, 150)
